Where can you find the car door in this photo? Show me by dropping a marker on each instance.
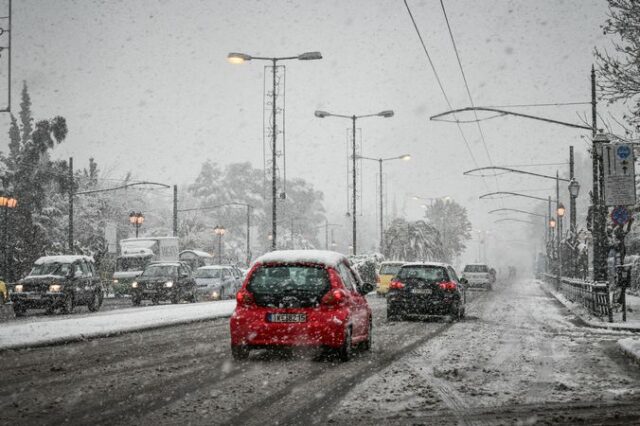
(80, 281)
(357, 304)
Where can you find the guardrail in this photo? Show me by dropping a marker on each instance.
(592, 295)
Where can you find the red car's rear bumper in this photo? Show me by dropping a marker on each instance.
(323, 327)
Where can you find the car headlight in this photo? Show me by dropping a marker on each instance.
(215, 295)
(134, 284)
(168, 284)
(53, 288)
(115, 281)
(18, 288)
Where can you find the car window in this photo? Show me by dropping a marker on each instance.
(347, 277)
(160, 271)
(424, 272)
(476, 268)
(208, 273)
(83, 268)
(226, 274)
(389, 269)
(453, 274)
(289, 279)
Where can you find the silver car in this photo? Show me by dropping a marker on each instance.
(216, 282)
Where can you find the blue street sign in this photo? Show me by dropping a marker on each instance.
(620, 215)
(623, 152)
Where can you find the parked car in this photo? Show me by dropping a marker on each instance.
(388, 270)
(217, 282)
(164, 281)
(478, 275)
(426, 289)
(58, 282)
(301, 298)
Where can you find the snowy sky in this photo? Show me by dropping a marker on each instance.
(145, 87)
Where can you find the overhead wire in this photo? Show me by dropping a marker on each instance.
(435, 72)
(466, 85)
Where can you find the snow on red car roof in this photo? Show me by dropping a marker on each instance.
(321, 257)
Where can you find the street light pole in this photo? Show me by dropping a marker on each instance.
(239, 58)
(353, 118)
(405, 157)
(219, 231)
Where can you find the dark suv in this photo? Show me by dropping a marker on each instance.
(58, 282)
(164, 281)
(426, 289)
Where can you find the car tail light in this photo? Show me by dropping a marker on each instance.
(447, 285)
(396, 285)
(244, 298)
(334, 297)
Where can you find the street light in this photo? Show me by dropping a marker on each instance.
(136, 219)
(219, 231)
(240, 58)
(353, 118)
(552, 223)
(405, 157)
(7, 202)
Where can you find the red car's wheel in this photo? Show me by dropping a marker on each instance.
(239, 352)
(346, 350)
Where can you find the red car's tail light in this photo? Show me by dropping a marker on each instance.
(396, 285)
(245, 298)
(447, 285)
(334, 297)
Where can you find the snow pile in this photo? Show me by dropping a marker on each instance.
(631, 347)
(44, 331)
(320, 257)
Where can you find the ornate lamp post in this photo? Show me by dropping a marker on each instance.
(136, 219)
(560, 213)
(574, 190)
(219, 231)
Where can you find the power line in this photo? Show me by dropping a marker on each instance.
(433, 68)
(466, 84)
(538, 105)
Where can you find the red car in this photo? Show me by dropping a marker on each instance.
(301, 298)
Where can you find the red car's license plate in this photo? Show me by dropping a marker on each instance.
(286, 317)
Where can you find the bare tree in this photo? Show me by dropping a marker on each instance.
(619, 72)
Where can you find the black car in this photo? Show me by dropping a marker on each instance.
(164, 281)
(58, 282)
(426, 289)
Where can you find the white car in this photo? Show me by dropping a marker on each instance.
(478, 276)
(216, 282)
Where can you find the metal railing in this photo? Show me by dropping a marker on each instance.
(592, 295)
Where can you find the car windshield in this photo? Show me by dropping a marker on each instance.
(52, 268)
(160, 271)
(286, 279)
(389, 269)
(131, 263)
(426, 273)
(476, 268)
(208, 273)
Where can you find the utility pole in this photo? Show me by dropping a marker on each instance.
(381, 210)
(248, 234)
(598, 225)
(274, 147)
(175, 210)
(559, 233)
(353, 210)
(71, 191)
(572, 218)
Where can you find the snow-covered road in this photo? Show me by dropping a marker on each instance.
(56, 329)
(519, 357)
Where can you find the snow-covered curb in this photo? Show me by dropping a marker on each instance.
(581, 312)
(631, 347)
(49, 331)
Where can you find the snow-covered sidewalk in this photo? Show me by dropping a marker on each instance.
(630, 345)
(53, 330)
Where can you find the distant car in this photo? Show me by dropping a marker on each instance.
(164, 281)
(58, 282)
(478, 275)
(387, 271)
(217, 282)
(301, 298)
(426, 289)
